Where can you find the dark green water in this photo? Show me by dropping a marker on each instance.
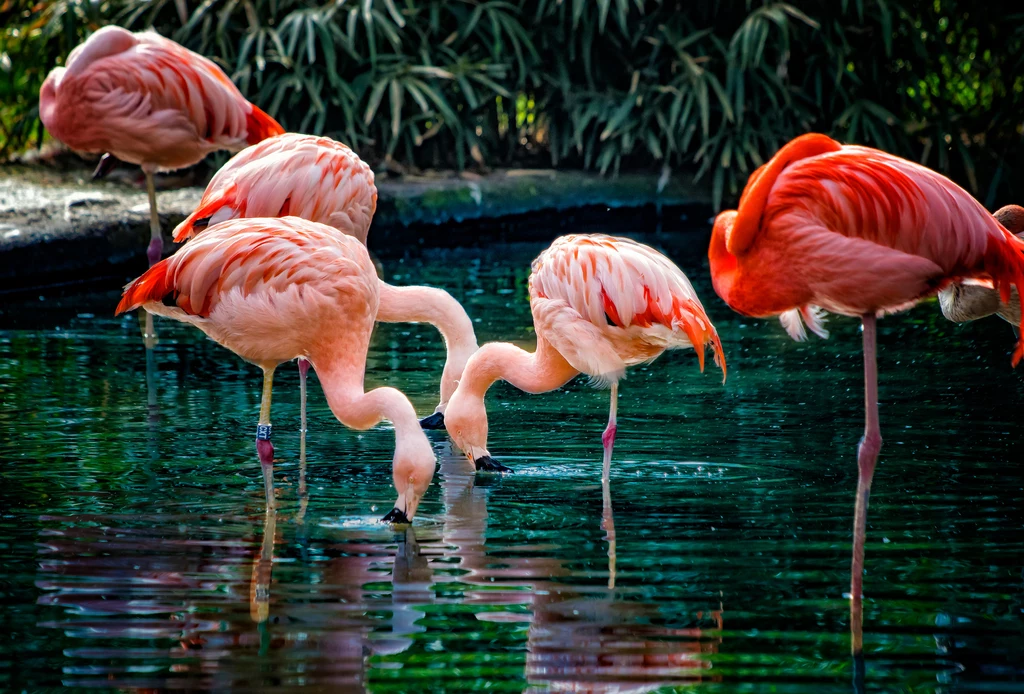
(133, 535)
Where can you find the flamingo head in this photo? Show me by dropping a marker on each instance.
(465, 418)
(412, 469)
(1011, 217)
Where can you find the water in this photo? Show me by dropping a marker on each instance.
(136, 552)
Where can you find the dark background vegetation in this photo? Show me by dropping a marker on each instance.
(687, 88)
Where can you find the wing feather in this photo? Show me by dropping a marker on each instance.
(596, 296)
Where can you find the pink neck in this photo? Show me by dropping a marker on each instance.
(342, 384)
(440, 309)
(539, 372)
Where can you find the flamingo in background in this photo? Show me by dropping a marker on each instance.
(319, 179)
(600, 304)
(859, 232)
(272, 290)
(968, 301)
(148, 101)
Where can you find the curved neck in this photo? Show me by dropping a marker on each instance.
(342, 383)
(723, 263)
(428, 305)
(538, 372)
(440, 309)
(755, 195)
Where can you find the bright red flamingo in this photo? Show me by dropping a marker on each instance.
(273, 290)
(600, 304)
(859, 232)
(322, 180)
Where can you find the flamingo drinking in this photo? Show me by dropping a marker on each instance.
(859, 232)
(272, 290)
(600, 304)
(322, 180)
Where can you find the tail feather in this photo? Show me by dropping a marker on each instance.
(700, 331)
(259, 126)
(207, 207)
(153, 285)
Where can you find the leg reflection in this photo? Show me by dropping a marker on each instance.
(262, 568)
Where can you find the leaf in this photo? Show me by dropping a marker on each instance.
(375, 97)
(618, 117)
(397, 99)
(395, 14)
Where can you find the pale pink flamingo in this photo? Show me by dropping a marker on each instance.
(322, 180)
(273, 290)
(973, 299)
(600, 304)
(859, 232)
(148, 101)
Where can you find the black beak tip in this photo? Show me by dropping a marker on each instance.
(486, 463)
(396, 517)
(434, 421)
(106, 165)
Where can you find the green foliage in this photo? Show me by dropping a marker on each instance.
(706, 87)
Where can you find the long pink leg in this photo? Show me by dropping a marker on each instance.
(303, 370)
(264, 448)
(154, 252)
(607, 519)
(867, 456)
(608, 437)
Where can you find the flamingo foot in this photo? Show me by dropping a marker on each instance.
(396, 517)
(486, 463)
(155, 251)
(434, 421)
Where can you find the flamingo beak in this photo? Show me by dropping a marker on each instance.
(486, 463)
(434, 421)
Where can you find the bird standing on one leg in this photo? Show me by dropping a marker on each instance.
(600, 304)
(148, 101)
(319, 179)
(859, 232)
(272, 290)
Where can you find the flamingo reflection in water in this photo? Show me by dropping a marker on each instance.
(209, 608)
(199, 604)
(581, 638)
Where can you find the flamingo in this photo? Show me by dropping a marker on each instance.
(319, 179)
(272, 290)
(858, 232)
(968, 301)
(600, 304)
(148, 101)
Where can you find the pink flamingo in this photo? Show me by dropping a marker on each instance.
(319, 179)
(600, 304)
(272, 290)
(859, 232)
(148, 101)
